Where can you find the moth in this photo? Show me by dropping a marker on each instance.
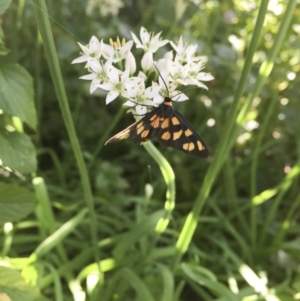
(169, 127)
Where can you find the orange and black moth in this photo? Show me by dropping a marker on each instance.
(169, 127)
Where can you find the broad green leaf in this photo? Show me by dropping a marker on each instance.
(17, 152)
(4, 4)
(13, 286)
(15, 202)
(16, 93)
(3, 49)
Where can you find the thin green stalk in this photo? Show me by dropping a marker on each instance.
(223, 147)
(287, 223)
(169, 177)
(51, 55)
(46, 217)
(253, 170)
(56, 237)
(58, 291)
(230, 193)
(229, 226)
(284, 187)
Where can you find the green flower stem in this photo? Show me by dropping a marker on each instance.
(51, 55)
(223, 147)
(169, 177)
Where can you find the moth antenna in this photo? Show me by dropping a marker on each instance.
(167, 86)
(162, 79)
(185, 91)
(140, 104)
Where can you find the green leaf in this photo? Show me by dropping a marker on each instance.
(207, 279)
(4, 4)
(17, 152)
(137, 284)
(15, 202)
(16, 93)
(13, 286)
(3, 49)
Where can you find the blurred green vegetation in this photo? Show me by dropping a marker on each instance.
(246, 245)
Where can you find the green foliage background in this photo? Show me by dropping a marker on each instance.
(81, 221)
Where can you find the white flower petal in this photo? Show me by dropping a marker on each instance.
(158, 99)
(90, 76)
(107, 51)
(106, 86)
(142, 75)
(93, 87)
(129, 103)
(126, 48)
(159, 44)
(191, 50)
(94, 43)
(204, 76)
(84, 48)
(141, 110)
(130, 62)
(95, 65)
(169, 55)
(113, 74)
(136, 40)
(125, 75)
(179, 97)
(201, 85)
(179, 48)
(80, 59)
(125, 94)
(145, 35)
(111, 96)
(147, 61)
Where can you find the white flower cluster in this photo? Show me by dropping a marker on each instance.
(106, 7)
(112, 68)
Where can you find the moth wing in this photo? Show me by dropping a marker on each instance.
(176, 132)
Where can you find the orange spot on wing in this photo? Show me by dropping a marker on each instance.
(188, 132)
(200, 146)
(177, 135)
(188, 146)
(166, 136)
(155, 123)
(165, 123)
(175, 120)
(145, 133)
(139, 128)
